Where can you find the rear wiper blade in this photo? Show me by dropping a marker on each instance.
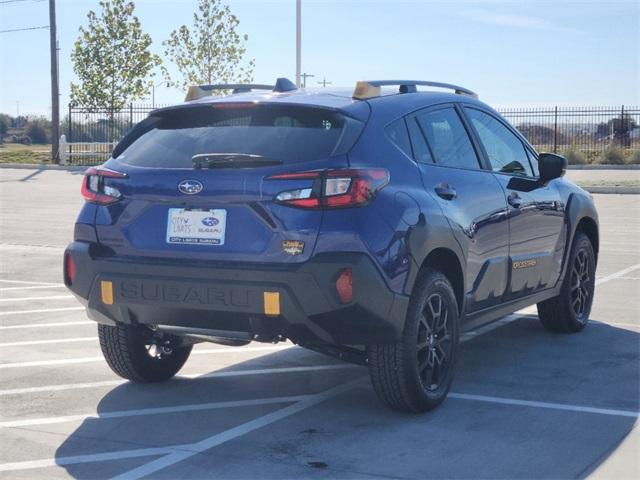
(231, 160)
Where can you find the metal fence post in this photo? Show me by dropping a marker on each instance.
(555, 130)
(623, 131)
(69, 126)
(130, 116)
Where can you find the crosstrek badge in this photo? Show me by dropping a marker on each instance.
(293, 247)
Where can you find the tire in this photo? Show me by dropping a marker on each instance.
(126, 350)
(400, 372)
(569, 311)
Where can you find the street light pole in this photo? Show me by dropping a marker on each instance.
(55, 99)
(298, 41)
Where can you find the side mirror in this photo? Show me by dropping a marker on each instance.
(551, 166)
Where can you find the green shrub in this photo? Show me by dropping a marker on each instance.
(575, 156)
(611, 156)
(36, 130)
(634, 158)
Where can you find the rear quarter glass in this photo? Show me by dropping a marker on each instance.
(289, 134)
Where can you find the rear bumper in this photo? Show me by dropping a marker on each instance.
(230, 298)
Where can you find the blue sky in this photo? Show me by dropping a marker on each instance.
(513, 53)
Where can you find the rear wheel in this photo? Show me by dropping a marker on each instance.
(415, 374)
(569, 311)
(141, 355)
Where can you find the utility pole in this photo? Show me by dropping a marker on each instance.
(324, 82)
(298, 41)
(304, 79)
(55, 98)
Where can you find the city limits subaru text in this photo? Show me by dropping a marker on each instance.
(376, 226)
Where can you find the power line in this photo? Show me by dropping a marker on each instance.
(23, 29)
(15, 1)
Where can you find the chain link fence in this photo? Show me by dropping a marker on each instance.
(589, 131)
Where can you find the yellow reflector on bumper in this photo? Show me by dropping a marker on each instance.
(106, 289)
(272, 303)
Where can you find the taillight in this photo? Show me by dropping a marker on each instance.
(344, 285)
(69, 269)
(94, 189)
(344, 188)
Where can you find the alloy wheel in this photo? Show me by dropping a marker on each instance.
(581, 285)
(435, 343)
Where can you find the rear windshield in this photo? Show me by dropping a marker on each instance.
(290, 134)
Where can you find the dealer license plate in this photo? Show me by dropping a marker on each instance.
(196, 227)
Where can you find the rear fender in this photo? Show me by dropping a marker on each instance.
(428, 235)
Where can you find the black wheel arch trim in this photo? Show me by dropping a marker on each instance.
(579, 207)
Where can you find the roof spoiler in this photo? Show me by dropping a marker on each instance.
(372, 88)
(196, 92)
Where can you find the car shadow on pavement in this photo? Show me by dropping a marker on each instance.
(469, 436)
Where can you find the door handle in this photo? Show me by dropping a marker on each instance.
(446, 191)
(514, 200)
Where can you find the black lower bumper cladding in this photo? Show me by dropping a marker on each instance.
(298, 302)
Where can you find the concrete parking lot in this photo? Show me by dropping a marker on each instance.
(525, 403)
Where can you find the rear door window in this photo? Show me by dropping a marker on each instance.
(289, 134)
(447, 138)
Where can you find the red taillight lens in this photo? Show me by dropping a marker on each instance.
(333, 188)
(69, 269)
(344, 285)
(94, 190)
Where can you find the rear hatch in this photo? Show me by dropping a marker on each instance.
(197, 184)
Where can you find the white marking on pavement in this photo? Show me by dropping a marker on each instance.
(24, 282)
(553, 406)
(29, 299)
(45, 325)
(48, 342)
(197, 407)
(69, 361)
(91, 458)
(235, 432)
(46, 310)
(177, 453)
(232, 373)
(34, 287)
(617, 274)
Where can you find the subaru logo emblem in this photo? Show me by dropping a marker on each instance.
(190, 187)
(210, 221)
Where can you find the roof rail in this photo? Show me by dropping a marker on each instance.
(371, 88)
(196, 92)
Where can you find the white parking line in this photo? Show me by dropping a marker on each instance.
(29, 299)
(197, 407)
(232, 373)
(34, 287)
(24, 282)
(618, 274)
(46, 325)
(48, 342)
(45, 310)
(70, 361)
(552, 406)
(177, 453)
(235, 432)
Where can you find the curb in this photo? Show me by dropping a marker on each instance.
(613, 190)
(604, 167)
(44, 166)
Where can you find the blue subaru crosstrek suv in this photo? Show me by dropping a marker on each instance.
(375, 226)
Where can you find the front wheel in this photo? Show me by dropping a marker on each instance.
(415, 374)
(569, 311)
(141, 355)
